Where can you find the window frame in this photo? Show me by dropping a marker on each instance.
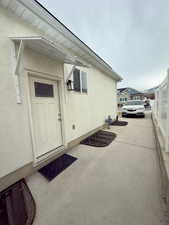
(84, 91)
(81, 82)
(38, 92)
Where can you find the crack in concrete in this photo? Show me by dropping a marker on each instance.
(142, 146)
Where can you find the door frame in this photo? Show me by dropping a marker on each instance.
(30, 73)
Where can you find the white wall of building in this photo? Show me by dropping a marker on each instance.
(85, 111)
(88, 111)
(15, 137)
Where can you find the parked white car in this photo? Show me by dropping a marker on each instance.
(133, 107)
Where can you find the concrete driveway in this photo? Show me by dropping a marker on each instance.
(114, 185)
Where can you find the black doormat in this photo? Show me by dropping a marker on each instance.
(54, 168)
(17, 206)
(99, 139)
(119, 123)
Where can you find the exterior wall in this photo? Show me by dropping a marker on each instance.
(85, 111)
(89, 111)
(33, 61)
(15, 137)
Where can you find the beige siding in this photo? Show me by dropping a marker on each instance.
(15, 138)
(89, 111)
(40, 63)
(85, 111)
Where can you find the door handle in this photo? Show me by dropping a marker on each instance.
(59, 117)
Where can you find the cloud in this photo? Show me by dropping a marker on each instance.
(132, 36)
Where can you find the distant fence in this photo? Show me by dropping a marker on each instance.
(161, 110)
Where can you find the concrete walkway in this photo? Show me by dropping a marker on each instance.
(115, 185)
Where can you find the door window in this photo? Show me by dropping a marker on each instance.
(43, 90)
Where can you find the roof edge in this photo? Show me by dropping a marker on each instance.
(37, 8)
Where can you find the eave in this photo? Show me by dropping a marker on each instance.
(35, 14)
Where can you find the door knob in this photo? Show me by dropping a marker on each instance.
(59, 117)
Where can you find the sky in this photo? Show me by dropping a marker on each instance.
(131, 35)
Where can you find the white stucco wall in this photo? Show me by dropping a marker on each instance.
(15, 138)
(88, 111)
(85, 111)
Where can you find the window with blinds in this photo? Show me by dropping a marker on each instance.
(76, 80)
(84, 82)
(80, 81)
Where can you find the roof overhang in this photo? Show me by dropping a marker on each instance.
(36, 15)
(47, 48)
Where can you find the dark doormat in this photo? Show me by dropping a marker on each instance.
(54, 168)
(119, 123)
(17, 206)
(99, 139)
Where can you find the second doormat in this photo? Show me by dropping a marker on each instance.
(55, 167)
(99, 139)
(119, 123)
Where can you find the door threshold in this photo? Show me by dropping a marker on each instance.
(54, 152)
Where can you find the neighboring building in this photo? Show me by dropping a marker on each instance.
(125, 94)
(150, 93)
(137, 96)
(41, 61)
(122, 96)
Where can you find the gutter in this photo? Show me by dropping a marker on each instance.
(31, 5)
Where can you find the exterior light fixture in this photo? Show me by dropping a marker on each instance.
(69, 85)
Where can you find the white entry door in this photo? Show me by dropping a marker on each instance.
(46, 115)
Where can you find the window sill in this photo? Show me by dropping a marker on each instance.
(79, 93)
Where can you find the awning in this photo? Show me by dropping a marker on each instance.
(48, 48)
(42, 46)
